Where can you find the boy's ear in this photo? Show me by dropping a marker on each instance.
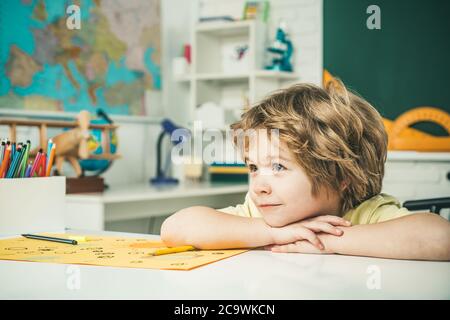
(344, 185)
(336, 88)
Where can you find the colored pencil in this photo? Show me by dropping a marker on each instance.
(17, 169)
(15, 160)
(36, 162)
(27, 172)
(160, 252)
(43, 160)
(2, 151)
(14, 163)
(49, 149)
(13, 150)
(51, 157)
(25, 159)
(5, 162)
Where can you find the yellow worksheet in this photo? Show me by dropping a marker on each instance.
(108, 251)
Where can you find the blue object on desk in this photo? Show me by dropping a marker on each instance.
(168, 129)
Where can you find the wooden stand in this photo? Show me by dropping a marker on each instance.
(84, 185)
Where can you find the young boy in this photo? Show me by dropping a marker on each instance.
(314, 187)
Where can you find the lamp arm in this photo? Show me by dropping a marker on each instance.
(159, 172)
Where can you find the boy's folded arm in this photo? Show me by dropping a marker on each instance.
(421, 236)
(207, 228)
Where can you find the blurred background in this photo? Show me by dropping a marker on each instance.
(151, 67)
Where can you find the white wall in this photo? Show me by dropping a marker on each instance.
(177, 20)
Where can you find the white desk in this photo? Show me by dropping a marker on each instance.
(91, 211)
(251, 275)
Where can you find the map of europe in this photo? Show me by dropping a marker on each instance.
(109, 63)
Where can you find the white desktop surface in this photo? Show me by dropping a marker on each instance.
(141, 201)
(145, 191)
(255, 274)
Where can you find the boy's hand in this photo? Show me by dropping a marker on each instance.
(307, 229)
(326, 224)
(301, 246)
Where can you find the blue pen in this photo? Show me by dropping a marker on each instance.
(13, 150)
(24, 160)
(12, 167)
(28, 171)
(17, 169)
(15, 164)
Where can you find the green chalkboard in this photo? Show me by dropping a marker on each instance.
(403, 65)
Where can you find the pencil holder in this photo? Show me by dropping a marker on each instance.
(32, 205)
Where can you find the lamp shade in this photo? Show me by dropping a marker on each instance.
(169, 128)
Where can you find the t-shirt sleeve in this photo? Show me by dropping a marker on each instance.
(388, 213)
(247, 209)
(380, 208)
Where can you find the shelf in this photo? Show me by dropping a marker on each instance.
(222, 76)
(280, 75)
(185, 78)
(224, 28)
(147, 192)
(71, 116)
(218, 75)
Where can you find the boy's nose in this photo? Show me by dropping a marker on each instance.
(260, 186)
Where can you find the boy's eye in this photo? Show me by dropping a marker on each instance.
(252, 167)
(278, 167)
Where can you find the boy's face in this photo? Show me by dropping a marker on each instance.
(279, 187)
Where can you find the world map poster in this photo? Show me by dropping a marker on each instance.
(108, 59)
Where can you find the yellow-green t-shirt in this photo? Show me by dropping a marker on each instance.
(379, 208)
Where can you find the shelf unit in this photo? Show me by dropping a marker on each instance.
(233, 86)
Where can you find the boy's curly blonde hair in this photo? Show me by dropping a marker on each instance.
(337, 137)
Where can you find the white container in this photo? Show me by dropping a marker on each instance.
(31, 205)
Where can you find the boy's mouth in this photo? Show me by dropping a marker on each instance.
(269, 205)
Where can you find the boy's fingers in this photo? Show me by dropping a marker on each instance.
(318, 226)
(300, 247)
(291, 247)
(277, 248)
(334, 220)
(311, 237)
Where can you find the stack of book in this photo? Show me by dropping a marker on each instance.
(228, 172)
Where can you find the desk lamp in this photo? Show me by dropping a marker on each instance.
(168, 127)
